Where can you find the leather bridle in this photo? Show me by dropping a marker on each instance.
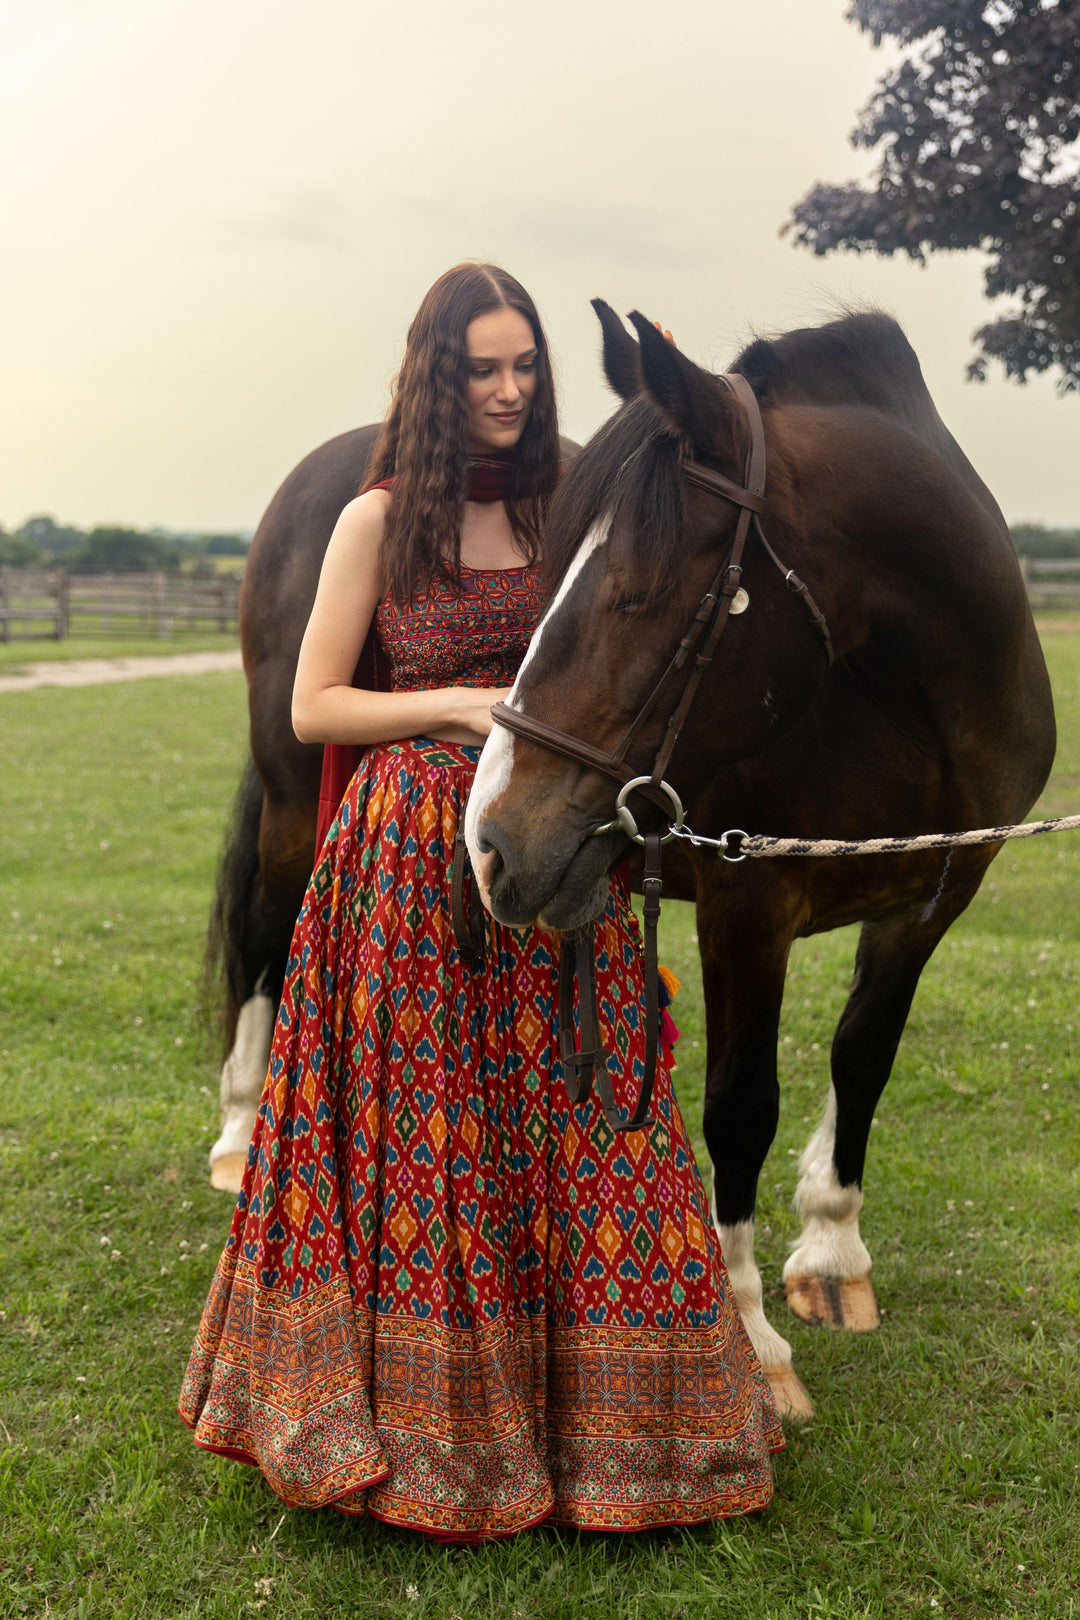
(695, 651)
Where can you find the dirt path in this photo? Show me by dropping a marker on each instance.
(100, 671)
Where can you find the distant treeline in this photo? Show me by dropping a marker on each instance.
(1036, 540)
(41, 542)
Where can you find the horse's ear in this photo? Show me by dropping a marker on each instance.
(622, 358)
(692, 400)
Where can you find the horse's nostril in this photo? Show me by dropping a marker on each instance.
(485, 862)
(484, 870)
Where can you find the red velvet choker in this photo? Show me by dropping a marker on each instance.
(489, 476)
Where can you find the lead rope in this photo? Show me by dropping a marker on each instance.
(755, 846)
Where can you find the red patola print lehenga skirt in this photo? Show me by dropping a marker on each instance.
(448, 1298)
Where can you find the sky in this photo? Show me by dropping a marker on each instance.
(219, 217)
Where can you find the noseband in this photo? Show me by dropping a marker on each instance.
(696, 649)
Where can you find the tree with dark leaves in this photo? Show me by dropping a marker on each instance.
(978, 128)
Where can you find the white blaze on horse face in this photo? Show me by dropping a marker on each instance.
(497, 758)
(829, 1244)
(737, 1247)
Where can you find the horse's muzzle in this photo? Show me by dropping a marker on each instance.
(559, 884)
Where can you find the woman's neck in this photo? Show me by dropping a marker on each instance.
(487, 540)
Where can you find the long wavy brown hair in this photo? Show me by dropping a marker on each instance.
(423, 444)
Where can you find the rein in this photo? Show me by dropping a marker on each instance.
(695, 652)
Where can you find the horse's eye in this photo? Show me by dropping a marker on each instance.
(637, 602)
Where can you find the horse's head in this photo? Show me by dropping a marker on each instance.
(631, 552)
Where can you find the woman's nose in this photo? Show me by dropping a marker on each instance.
(508, 387)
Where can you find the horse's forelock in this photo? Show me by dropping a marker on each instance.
(628, 477)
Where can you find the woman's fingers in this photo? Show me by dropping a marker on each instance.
(472, 713)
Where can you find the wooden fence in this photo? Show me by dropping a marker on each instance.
(1053, 583)
(41, 604)
(52, 604)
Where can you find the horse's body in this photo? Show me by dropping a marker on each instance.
(271, 844)
(936, 716)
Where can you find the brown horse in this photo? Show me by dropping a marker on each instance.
(935, 716)
(270, 846)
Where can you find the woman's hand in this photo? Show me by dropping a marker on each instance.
(469, 713)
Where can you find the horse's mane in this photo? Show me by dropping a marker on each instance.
(629, 467)
(862, 358)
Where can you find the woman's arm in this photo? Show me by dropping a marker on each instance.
(326, 707)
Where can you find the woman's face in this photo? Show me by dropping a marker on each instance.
(502, 379)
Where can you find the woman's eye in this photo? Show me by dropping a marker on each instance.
(479, 374)
(528, 366)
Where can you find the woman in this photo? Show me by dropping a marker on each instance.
(448, 1298)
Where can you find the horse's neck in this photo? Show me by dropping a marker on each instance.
(909, 561)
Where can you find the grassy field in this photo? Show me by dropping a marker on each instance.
(942, 1473)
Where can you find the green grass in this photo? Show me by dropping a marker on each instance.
(86, 644)
(942, 1473)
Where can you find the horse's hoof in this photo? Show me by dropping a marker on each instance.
(834, 1302)
(790, 1396)
(227, 1172)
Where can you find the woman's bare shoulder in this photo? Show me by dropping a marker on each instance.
(354, 552)
(364, 518)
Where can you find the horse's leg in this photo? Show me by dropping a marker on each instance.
(242, 1076)
(744, 955)
(262, 927)
(827, 1274)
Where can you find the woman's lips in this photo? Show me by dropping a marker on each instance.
(506, 417)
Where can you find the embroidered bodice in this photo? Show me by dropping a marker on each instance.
(477, 638)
